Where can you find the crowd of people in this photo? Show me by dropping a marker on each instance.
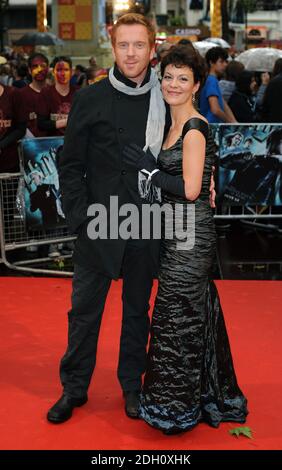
(35, 97)
(233, 94)
(35, 100)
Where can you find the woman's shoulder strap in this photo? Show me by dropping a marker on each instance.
(196, 123)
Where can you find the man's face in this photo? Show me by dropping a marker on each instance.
(36, 179)
(62, 72)
(220, 66)
(236, 140)
(132, 51)
(39, 69)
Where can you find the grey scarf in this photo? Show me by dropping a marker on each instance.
(154, 128)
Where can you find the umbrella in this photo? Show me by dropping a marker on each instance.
(203, 46)
(219, 42)
(261, 59)
(39, 39)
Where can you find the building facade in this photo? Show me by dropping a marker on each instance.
(82, 23)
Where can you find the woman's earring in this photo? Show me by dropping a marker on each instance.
(193, 98)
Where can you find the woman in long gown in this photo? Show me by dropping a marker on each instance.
(190, 375)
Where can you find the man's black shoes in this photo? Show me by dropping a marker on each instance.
(62, 410)
(132, 403)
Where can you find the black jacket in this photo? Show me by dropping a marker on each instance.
(44, 198)
(271, 108)
(241, 107)
(101, 122)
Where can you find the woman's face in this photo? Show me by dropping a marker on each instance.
(178, 85)
(253, 85)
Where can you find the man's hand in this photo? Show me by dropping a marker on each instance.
(212, 190)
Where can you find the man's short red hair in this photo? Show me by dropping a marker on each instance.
(134, 18)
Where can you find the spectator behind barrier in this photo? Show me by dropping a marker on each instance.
(212, 105)
(271, 106)
(227, 85)
(241, 102)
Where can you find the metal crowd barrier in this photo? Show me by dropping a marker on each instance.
(15, 235)
(248, 212)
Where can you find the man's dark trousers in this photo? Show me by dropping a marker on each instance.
(89, 294)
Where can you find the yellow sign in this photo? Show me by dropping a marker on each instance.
(41, 15)
(75, 19)
(216, 20)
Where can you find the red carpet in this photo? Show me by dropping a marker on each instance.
(33, 338)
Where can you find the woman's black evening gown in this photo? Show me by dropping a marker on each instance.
(190, 375)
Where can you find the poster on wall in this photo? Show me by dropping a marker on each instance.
(42, 197)
(250, 164)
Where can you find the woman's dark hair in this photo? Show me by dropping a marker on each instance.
(243, 82)
(233, 69)
(185, 42)
(277, 69)
(183, 56)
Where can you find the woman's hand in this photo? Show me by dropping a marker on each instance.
(136, 157)
(212, 190)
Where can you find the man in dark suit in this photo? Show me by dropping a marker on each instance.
(45, 198)
(102, 121)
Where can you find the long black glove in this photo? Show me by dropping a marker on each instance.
(145, 162)
(136, 157)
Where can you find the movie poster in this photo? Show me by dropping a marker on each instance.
(42, 197)
(250, 164)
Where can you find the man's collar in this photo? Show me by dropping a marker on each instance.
(122, 78)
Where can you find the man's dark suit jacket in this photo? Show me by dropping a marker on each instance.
(101, 122)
